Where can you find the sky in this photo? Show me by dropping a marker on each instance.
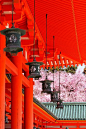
(80, 68)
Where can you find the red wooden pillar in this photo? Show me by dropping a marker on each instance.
(2, 80)
(28, 106)
(16, 95)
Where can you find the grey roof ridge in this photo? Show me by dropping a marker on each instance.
(65, 103)
(44, 108)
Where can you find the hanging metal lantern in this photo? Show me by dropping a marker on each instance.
(46, 86)
(34, 69)
(37, 128)
(59, 104)
(13, 40)
(54, 95)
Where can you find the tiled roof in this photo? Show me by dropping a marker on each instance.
(71, 111)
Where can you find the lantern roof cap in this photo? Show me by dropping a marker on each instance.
(47, 81)
(36, 62)
(22, 32)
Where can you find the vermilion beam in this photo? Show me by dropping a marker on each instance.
(8, 110)
(2, 18)
(7, 85)
(67, 123)
(11, 67)
(2, 80)
(56, 128)
(6, 79)
(25, 81)
(16, 17)
(41, 48)
(37, 111)
(29, 16)
(6, 8)
(26, 42)
(14, 70)
(8, 93)
(17, 4)
(43, 114)
(24, 66)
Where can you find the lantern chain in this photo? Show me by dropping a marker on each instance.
(12, 13)
(46, 44)
(34, 34)
(53, 61)
(59, 75)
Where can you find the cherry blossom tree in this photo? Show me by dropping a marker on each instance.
(73, 86)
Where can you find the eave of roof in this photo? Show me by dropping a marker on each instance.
(44, 108)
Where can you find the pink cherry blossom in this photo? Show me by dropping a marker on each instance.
(72, 86)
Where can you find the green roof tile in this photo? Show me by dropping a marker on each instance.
(71, 111)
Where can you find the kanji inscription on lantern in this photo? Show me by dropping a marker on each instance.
(54, 95)
(33, 69)
(12, 38)
(46, 85)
